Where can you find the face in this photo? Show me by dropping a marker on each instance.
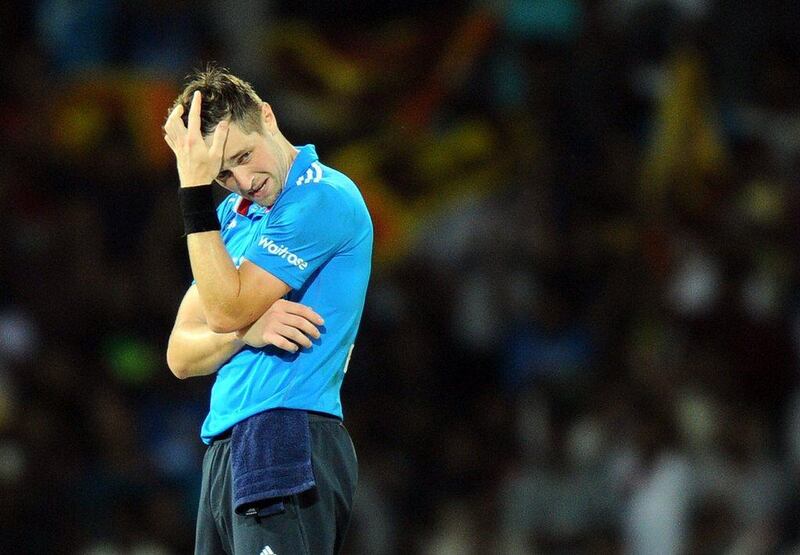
(253, 165)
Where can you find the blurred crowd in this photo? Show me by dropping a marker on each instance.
(583, 327)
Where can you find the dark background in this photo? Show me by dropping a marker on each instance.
(582, 330)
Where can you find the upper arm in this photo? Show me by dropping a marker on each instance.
(302, 234)
(190, 313)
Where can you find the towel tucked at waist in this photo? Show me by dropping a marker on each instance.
(270, 459)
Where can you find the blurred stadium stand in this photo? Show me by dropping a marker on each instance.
(583, 329)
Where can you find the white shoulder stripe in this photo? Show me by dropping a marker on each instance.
(312, 175)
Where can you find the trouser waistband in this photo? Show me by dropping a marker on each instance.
(313, 416)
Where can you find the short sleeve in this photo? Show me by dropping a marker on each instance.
(225, 209)
(304, 230)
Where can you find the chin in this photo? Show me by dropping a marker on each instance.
(266, 203)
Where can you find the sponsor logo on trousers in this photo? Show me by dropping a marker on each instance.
(280, 250)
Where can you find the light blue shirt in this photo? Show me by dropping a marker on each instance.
(317, 238)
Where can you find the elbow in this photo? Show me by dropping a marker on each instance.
(178, 367)
(179, 371)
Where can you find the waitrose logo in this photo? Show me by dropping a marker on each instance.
(283, 251)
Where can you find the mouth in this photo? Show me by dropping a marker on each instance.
(254, 190)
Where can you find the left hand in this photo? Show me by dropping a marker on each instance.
(198, 164)
(287, 325)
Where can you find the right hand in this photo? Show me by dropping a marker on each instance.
(286, 325)
(198, 163)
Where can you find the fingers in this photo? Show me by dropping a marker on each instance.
(288, 338)
(290, 326)
(218, 141)
(194, 113)
(281, 342)
(174, 125)
(294, 335)
(302, 324)
(302, 310)
(169, 142)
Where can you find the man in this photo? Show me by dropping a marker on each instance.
(280, 470)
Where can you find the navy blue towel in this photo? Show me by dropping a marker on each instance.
(270, 459)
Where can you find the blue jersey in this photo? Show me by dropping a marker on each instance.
(316, 238)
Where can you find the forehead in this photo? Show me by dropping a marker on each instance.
(235, 139)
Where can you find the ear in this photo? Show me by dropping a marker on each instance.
(268, 118)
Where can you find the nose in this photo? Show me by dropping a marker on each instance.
(240, 175)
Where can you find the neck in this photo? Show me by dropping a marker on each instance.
(289, 151)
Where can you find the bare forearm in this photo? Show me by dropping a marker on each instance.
(232, 298)
(195, 350)
(217, 277)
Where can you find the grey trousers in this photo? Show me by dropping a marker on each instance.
(313, 523)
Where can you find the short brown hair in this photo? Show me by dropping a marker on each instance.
(224, 96)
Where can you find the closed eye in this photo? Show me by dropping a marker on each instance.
(223, 176)
(243, 158)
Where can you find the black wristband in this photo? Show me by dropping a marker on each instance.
(197, 207)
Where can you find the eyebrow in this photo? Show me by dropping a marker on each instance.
(234, 157)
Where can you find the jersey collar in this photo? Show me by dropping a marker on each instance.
(242, 206)
(306, 155)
